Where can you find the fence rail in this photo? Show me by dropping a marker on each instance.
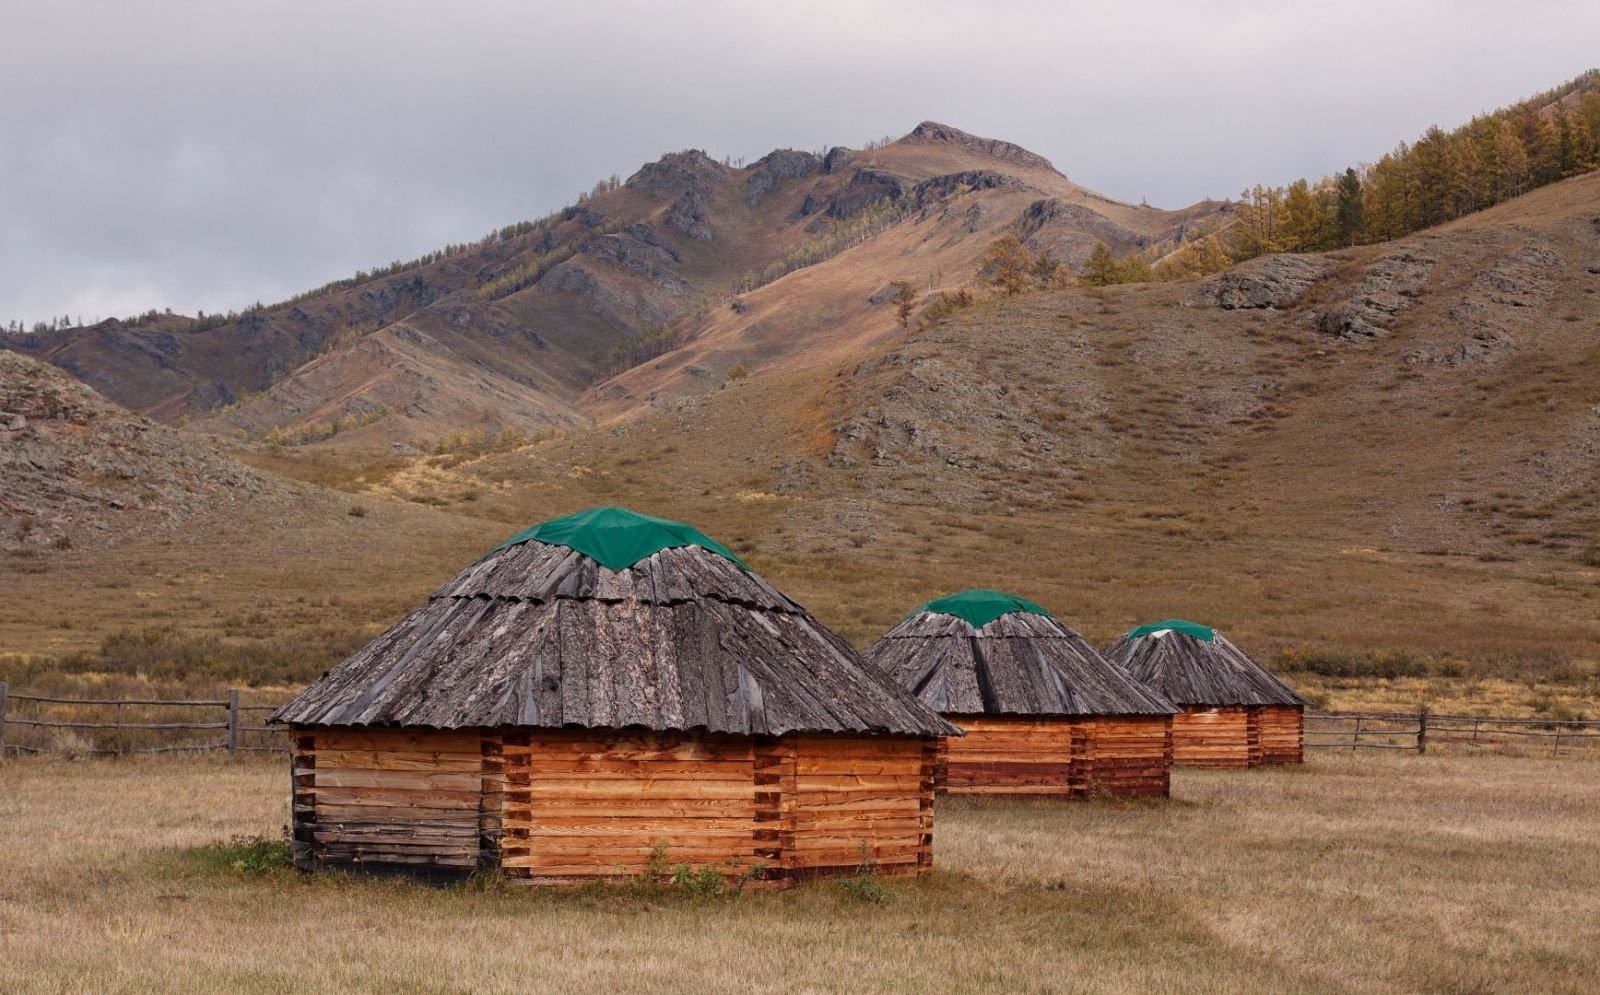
(1421, 729)
(54, 724)
(38, 723)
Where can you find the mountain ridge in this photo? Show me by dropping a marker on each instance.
(538, 320)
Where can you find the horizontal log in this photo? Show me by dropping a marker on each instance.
(576, 808)
(637, 788)
(338, 856)
(400, 798)
(198, 703)
(389, 835)
(851, 804)
(1036, 790)
(710, 774)
(395, 760)
(636, 750)
(632, 829)
(397, 780)
(860, 749)
(845, 765)
(43, 724)
(872, 825)
(632, 861)
(364, 815)
(395, 740)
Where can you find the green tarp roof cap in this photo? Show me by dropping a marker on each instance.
(617, 538)
(980, 606)
(1204, 633)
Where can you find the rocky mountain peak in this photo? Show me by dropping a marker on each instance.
(934, 133)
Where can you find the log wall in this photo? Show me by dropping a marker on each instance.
(423, 802)
(862, 800)
(562, 806)
(583, 805)
(1008, 755)
(1128, 756)
(1282, 734)
(1228, 736)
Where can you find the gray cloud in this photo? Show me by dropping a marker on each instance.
(204, 155)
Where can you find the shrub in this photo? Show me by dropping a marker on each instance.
(705, 881)
(947, 303)
(252, 855)
(866, 885)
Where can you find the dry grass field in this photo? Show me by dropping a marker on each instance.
(1366, 874)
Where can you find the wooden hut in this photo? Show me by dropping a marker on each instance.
(605, 695)
(1044, 713)
(1235, 712)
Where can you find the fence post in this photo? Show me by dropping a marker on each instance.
(2, 719)
(233, 722)
(1422, 729)
(1357, 737)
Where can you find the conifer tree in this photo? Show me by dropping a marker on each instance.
(1350, 217)
(1100, 269)
(1006, 266)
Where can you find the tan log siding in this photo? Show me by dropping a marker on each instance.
(1128, 756)
(582, 805)
(859, 798)
(1282, 734)
(1014, 755)
(566, 806)
(386, 799)
(1228, 736)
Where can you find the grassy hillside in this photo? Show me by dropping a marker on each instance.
(1389, 471)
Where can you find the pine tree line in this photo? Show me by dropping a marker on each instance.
(1440, 177)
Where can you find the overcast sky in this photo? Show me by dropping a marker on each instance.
(209, 154)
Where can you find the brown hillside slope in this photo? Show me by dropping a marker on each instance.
(965, 193)
(78, 472)
(1397, 446)
(1391, 448)
(510, 331)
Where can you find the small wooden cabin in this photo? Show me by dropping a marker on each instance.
(1044, 713)
(605, 695)
(1235, 712)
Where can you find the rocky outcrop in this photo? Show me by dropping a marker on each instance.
(931, 132)
(837, 159)
(939, 187)
(689, 215)
(1276, 281)
(867, 188)
(678, 172)
(1499, 301)
(1387, 288)
(639, 248)
(1069, 231)
(775, 167)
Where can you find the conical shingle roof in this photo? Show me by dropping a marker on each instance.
(1021, 661)
(541, 634)
(1175, 658)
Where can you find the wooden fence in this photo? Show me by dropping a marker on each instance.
(1419, 730)
(32, 723)
(35, 723)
